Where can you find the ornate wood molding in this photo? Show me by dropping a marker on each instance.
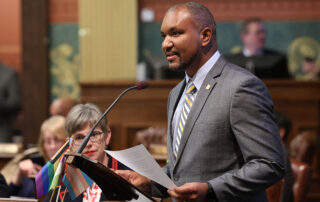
(238, 10)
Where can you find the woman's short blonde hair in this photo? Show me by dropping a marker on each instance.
(54, 124)
(82, 114)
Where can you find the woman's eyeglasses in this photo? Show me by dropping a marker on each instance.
(95, 137)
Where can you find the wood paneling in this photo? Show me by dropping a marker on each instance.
(35, 82)
(136, 109)
(108, 39)
(298, 99)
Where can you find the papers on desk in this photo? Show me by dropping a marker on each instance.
(140, 160)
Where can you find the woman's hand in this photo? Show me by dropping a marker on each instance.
(26, 169)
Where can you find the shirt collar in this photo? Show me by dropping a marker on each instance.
(247, 53)
(201, 74)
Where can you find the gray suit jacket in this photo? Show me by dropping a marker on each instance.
(230, 138)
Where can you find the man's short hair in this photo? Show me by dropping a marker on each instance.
(201, 14)
(245, 24)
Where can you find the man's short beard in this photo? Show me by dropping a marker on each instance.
(181, 68)
(185, 66)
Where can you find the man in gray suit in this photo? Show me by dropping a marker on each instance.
(223, 142)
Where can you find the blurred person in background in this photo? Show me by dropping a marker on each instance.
(61, 106)
(263, 62)
(10, 101)
(310, 69)
(52, 137)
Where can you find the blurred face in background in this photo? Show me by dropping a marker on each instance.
(254, 38)
(51, 143)
(52, 136)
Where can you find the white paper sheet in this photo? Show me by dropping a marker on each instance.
(140, 160)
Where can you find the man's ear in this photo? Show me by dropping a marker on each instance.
(206, 36)
(108, 136)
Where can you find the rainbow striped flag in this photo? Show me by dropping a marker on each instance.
(58, 174)
(76, 181)
(51, 172)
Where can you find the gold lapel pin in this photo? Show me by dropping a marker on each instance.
(208, 87)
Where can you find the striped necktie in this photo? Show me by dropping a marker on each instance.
(186, 107)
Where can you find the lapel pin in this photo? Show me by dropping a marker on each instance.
(208, 87)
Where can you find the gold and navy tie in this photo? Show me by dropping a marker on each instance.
(186, 107)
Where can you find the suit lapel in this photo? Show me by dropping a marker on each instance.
(205, 90)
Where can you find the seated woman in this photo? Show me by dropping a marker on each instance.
(79, 122)
(52, 137)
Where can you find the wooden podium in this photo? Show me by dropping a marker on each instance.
(112, 185)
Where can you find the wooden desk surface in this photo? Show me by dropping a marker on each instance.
(298, 99)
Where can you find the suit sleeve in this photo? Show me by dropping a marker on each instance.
(252, 124)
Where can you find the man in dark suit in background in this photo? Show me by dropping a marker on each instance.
(223, 142)
(262, 62)
(10, 101)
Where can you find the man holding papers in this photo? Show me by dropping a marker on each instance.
(223, 143)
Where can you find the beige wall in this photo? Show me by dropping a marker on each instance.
(108, 39)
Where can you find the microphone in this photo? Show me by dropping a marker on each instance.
(139, 86)
(142, 85)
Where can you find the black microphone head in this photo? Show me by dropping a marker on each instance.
(142, 85)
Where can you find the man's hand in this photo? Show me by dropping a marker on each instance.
(194, 191)
(136, 179)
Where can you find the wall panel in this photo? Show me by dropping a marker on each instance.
(108, 39)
